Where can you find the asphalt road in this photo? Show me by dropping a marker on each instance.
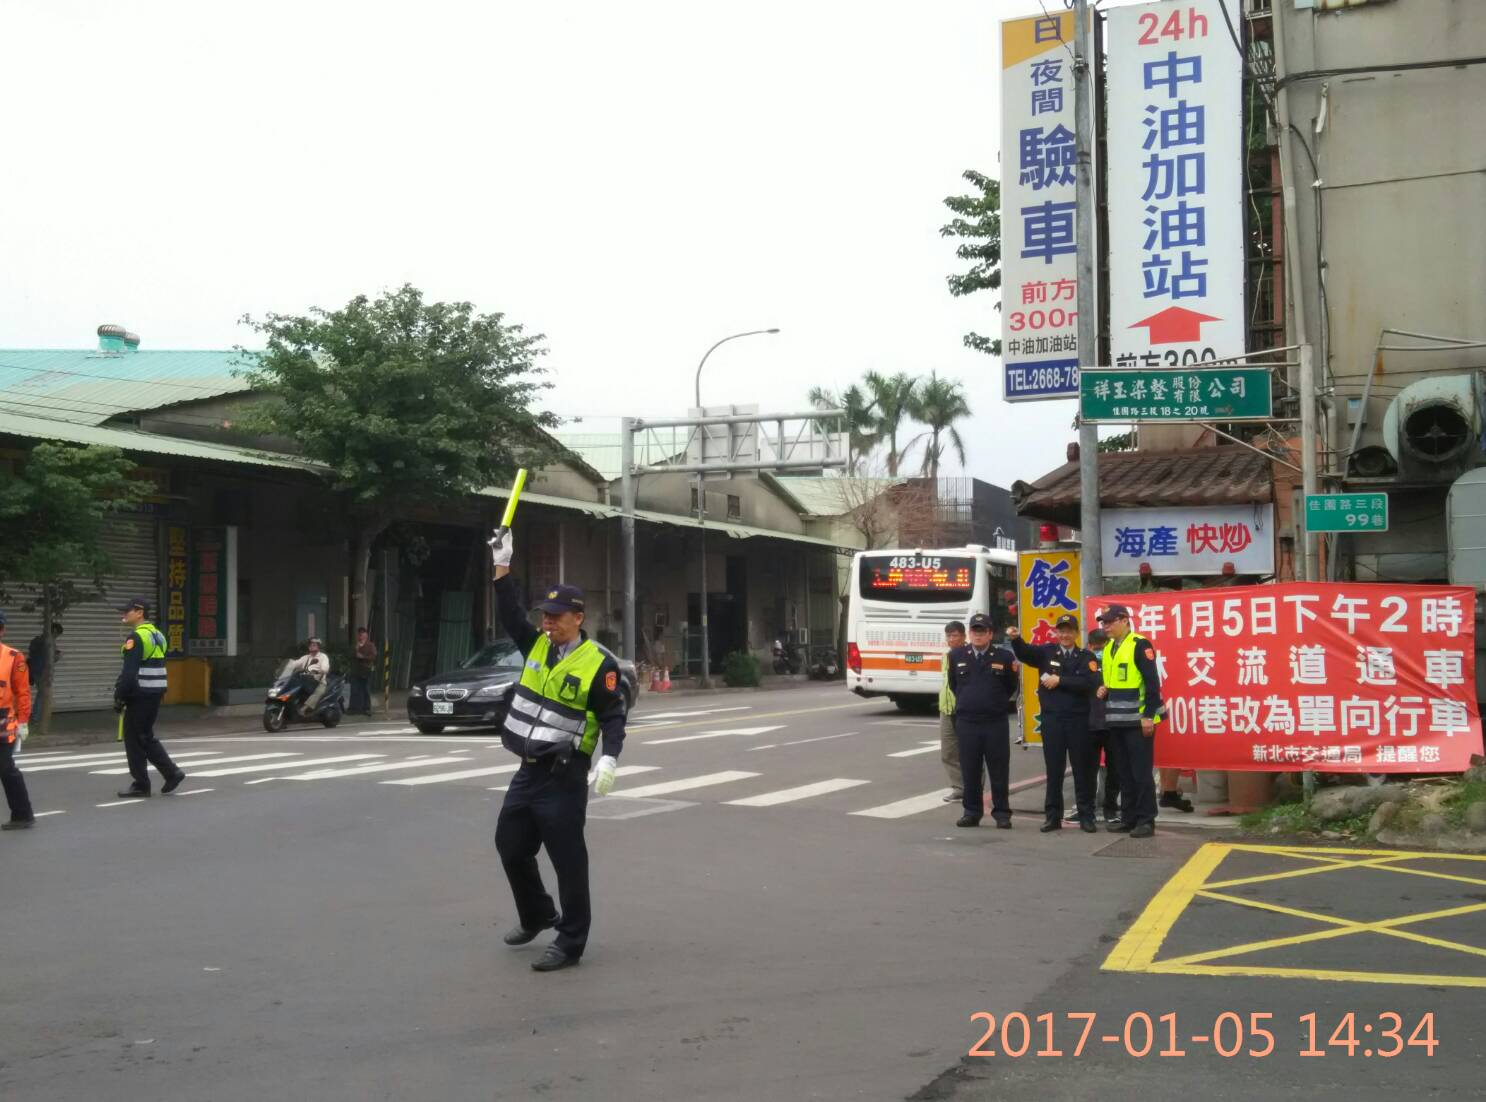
(302, 927)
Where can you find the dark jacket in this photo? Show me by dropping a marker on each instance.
(984, 685)
(604, 702)
(1078, 676)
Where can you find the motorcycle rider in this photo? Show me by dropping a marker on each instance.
(316, 666)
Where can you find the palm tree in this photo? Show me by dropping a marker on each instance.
(861, 423)
(938, 404)
(892, 398)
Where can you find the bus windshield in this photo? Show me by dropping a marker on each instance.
(917, 579)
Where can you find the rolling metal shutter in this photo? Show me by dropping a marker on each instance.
(92, 634)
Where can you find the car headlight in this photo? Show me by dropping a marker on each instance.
(490, 692)
(416, 690)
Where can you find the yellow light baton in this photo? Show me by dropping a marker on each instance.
(121, 728)
(509, 515)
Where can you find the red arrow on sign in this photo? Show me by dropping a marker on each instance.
(1175, 325)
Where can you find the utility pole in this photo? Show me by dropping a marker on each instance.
(627, 496)
(1090, 528)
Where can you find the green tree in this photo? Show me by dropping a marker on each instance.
(977, 225)
(938, 404)
(407, 403)
(861, 423)
(61, 497)
(891, 398)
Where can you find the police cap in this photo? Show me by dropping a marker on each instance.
(562, 598)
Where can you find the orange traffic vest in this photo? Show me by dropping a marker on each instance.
(15, 688)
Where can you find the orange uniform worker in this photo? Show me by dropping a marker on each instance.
(15, 724)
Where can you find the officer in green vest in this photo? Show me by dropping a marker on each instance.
(137, 694)
(567, 702)
(1133, 709)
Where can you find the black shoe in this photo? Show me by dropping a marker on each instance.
(1176, 800)
(1144, 830)
(19, 824)
(174, 782)
(520, 935)
(1050, 825)
(1003, 824)
(968, 821)
(553, 959)
(1120, 828)
(134, 794)
(1111, 817)
(1087, 826)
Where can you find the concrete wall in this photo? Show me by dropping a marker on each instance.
(1402, 159)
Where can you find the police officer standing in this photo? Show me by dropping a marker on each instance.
(984, 681)
(1133, 709)
(15, 719)
(1064, 690)
(568, 700)
(137, 694)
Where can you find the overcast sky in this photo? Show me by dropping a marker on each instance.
(634, 180)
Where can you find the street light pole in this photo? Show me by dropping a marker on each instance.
(1090, 522)
(705, 681)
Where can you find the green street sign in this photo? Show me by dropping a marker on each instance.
(1194, 394)
(1346, 512)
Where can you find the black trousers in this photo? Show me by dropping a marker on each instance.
(985, 743)
(1137, 755)
(141, 746)
(1110, 747)
(547, 805)
(1066, 740)
(11, 779)
(360, 694)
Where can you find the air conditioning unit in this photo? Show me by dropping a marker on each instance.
(1433, 428)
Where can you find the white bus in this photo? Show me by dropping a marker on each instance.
(901, 600)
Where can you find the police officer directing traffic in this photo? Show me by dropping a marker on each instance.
(137, 693)
(1068, 682)
(984, 681)
(1133, 709)
(567, 700)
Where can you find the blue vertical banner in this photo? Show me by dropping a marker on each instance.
(1039, 251)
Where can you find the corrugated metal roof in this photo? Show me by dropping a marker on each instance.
(88, 387)
(1128, 480)
(835, 496)
(47, 428)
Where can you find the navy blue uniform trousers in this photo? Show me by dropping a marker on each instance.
(985, 743)
(1066, 740)
(547, 805)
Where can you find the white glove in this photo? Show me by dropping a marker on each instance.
(608, 766)
(502, 545)
(22, 731)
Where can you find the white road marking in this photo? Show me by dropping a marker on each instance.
(686, 784)
(213, 762)
(901, 808)
(194, 791)
(802, 741)
(712, 734)
(647, 717)
(262, 780)
(803, 792)
(457, 775)
(624, 771)
(44, 814)
(121, 803)
(927, 748)
(298, 763)
(361, 770)
(111, 759)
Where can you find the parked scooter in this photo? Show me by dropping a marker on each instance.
(788, 657)
(285, 702)
(824, 665)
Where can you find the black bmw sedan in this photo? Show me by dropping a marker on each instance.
(475, 694)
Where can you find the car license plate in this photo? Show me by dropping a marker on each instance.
(913, 659)
(443, 709)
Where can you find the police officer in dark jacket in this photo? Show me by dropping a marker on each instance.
(1064, 690)
(984, 681)
(567, 704)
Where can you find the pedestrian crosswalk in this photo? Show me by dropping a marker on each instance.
(464, 768)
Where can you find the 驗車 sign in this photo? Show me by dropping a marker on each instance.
(1346, 512)
(1210, 394)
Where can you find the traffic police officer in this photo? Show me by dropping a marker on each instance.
(567, 700)
(1133, 709)
(983, 679)
(15, 720)
(137, 693)
(1064, 690)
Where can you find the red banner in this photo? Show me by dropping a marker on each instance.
(1340, 678)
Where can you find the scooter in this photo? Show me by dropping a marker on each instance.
(824, 664)
(788, 657)
(285, 701)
